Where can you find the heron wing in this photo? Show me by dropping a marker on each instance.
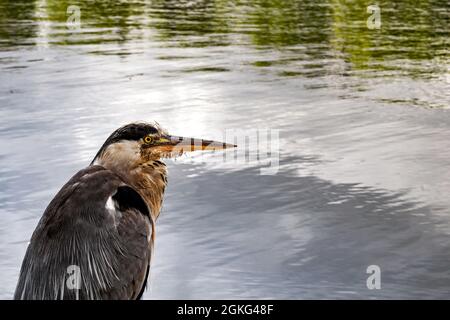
(94, 241)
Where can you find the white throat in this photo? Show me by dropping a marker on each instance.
(120, 157)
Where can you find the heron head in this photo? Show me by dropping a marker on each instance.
(138, 143)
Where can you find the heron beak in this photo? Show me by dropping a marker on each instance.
(176, 144)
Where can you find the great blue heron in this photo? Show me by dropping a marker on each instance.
(98, 231)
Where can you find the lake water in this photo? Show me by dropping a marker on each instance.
(364, 137)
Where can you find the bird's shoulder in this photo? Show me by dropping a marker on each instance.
(98, 223)
(90, 195)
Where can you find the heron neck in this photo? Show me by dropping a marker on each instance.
(148, 179)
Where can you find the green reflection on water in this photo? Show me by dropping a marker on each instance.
(17, 25)
(411, 30)
(311, 31)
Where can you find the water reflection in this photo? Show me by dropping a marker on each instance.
(365, 139)
(331, 35)
(280, 245)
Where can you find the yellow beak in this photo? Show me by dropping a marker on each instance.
(178, 144)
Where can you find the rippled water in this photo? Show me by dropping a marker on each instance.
(364, 128)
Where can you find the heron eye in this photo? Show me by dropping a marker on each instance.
(148, 139)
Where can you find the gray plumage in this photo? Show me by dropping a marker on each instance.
(101, 225)
(114, 262)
